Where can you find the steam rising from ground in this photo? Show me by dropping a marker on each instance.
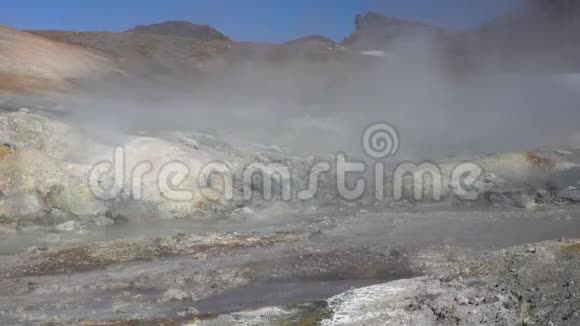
(324, 107)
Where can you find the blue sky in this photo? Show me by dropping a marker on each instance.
(246, 20)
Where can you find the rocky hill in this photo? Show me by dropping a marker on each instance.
(185, 49)
(182, 29)
(145, 54)
(178, 48)
(537, 35)
(373, 31)
(312, 40)
(29, 62)
(541, 34)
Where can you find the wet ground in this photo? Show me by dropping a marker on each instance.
(122, 273)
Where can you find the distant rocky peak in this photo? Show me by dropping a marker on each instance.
(182, 29)
(374, 30)
(371, 20)
(312, 39)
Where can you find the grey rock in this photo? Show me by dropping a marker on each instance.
(191, 311)
(135, 210)
(69, 226)
(120, 307)
(174, 295)
(20, 204)
(572, 194)
(528, 201)
(243, 212)
(182, 29)
(35, 250)
(189, 141)
(58, 216)
(101, 221)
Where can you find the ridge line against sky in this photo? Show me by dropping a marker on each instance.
(246, 20)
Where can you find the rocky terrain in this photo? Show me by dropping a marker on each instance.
(72, 257)
(29, 62)
(527, 285)
(81, 244)
(182, 29)
(185, 50)
(374, 31)
(146, 54)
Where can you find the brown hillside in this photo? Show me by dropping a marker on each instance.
(29, 62)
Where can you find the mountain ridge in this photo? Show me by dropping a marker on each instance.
(182, 28)
(542, 33)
